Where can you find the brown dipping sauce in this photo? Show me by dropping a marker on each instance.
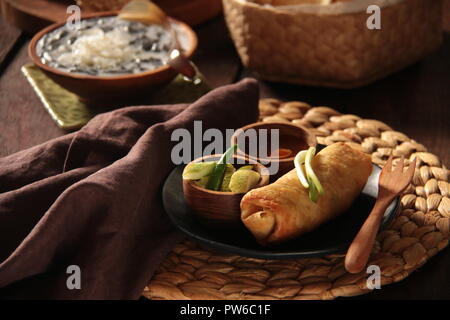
(289, 146)
(281, 154)
(292, 140)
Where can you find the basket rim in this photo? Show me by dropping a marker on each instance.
(333, 9)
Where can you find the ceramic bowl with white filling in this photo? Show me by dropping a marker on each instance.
(109, 60)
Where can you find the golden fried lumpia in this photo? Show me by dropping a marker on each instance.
(283, 210)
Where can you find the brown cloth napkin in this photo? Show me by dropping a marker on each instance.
(93, 199)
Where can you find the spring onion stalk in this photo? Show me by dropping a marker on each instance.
(227, 155)
(313, 193)
(298, 162)
(216, 177)
(308, 180)
(309, 171)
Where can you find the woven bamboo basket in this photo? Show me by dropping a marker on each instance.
(331, 45)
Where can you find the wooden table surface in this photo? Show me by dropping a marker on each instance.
(415, 101)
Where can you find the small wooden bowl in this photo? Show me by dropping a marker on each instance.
(216, 209)
(115, 90)
(293, 137)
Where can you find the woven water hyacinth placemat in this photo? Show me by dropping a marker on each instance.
(420, 230)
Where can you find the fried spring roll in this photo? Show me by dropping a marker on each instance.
(283, 209)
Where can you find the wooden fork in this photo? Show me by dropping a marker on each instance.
(391, 183)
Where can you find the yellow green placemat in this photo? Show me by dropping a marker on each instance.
(70, 113)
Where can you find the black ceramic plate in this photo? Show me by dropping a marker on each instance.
(332, 237)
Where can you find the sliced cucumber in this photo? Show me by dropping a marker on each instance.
(247, 167)
(229, 170)
(202, 182)
(244, 180)
(195, 171)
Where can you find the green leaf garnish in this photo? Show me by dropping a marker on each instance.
(229, 170)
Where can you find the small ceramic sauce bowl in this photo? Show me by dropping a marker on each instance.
(292, 138)
(217, 209)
